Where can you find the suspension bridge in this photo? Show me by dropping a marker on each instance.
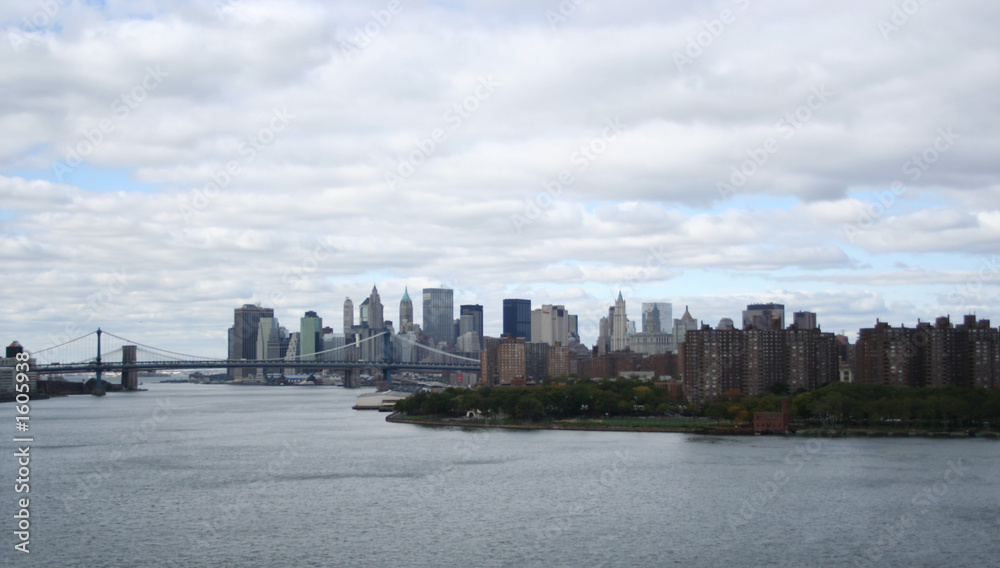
(101, 352)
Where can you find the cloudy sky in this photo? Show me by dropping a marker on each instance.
(162, 163)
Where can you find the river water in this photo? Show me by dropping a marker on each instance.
(225, 476)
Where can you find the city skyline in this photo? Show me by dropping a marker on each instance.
(191, 159)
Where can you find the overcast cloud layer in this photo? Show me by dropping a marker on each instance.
(162, 163)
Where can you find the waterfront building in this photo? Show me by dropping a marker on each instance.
(243, 337)
(439, 315)
(517, 318)
(8, 372)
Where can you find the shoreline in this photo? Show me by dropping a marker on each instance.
(705, 430)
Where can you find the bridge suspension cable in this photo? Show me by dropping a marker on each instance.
(415, 344)
(158, 350)
(63, 343)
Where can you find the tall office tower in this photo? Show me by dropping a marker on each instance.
(439, 314)
(292, 354)
(619, 331)
(681, 326)
(550, 324)
(764, 316)
(268, 340)
(268, 343)
(376, 318)
(476, 311)
(243, 337)
(604, 336)
(348, 315)
(363, 312)
(574, 327)
(405, 312)
(310, 336)
(517, 318)
(804, 320)
(657, 317)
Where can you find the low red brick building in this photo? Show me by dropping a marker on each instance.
(772, 421)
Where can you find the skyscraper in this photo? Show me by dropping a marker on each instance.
(550, 324)
(476, 312)
(681, 326)
(517, 318)
(376, 318)
(310, 336)
(657, 317)
(619, 331)
(764, 316)
(348, 315)
(804, 320)
(405, 312)
(439, 314)
(243, 337)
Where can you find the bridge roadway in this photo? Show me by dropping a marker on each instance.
(91, 366)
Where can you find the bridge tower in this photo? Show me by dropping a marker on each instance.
(97, 383)
(130, 378)
(387, 358)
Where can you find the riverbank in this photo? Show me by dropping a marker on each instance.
(613, 425)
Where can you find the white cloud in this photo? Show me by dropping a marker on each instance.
(642, 209)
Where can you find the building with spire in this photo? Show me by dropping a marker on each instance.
(376, 317)
(681, 326)
(619, 329)
(405, 312)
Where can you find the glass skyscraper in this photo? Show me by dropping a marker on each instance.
(517, 318)
(439, 314)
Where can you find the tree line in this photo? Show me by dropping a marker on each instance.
(832, 404)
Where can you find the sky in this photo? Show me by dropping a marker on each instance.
(162, 163)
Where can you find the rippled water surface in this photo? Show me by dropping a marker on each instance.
(224, 476)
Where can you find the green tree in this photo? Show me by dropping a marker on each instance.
(529, 408)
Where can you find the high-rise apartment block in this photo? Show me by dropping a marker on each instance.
(929, 355)
(713, 361)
